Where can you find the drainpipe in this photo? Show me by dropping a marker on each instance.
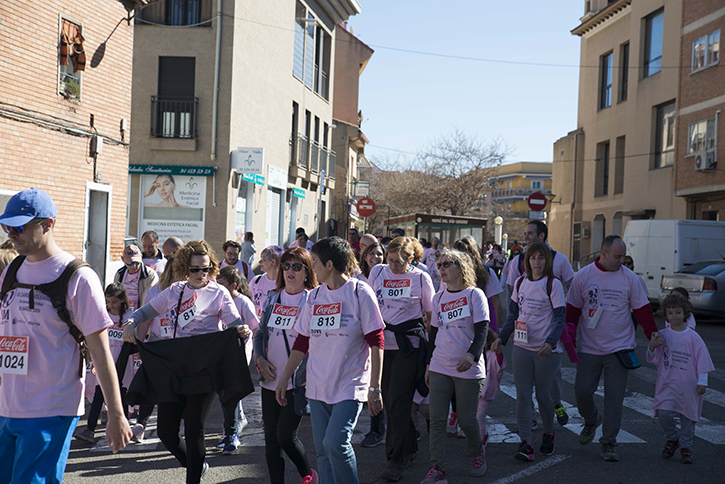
(573, 205)
(215, 104)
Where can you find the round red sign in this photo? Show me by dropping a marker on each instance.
(537, 201)
(365, 207)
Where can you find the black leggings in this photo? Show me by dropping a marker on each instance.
(190, 454)
(97, 404)
(398, 390)
(280, 434)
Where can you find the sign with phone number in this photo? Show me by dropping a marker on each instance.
(171, 170)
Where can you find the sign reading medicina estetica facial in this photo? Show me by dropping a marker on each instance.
(173, 201)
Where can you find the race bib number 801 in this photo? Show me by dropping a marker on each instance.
(396, 288)
(14, 355)
(326, 317)
(454, 310)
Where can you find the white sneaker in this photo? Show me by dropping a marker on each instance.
(137, 431)
(243, 422)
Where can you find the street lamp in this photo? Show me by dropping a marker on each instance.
(499, 229)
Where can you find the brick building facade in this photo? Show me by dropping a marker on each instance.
(54, 107)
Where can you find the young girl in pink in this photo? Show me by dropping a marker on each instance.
(495, 365)
(683, 363)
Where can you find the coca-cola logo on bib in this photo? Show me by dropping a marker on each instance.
(327, 309)
(451, 305)
(396, 283)
(14, 344)
(281, 310)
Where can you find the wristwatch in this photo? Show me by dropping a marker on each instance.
(376, 390)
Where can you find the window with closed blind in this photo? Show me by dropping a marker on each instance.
(175, 107)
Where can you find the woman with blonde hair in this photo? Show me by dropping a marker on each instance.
(405, 296)
(455, 364)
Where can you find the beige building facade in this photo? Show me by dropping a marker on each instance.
(619, 164)
(234, 101)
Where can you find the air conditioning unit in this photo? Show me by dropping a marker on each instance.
(706, 161)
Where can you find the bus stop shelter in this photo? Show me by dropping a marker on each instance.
(448, 228)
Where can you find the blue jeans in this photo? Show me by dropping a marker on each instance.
(332, 427)
(35, 450)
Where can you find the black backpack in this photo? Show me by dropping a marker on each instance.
(56, 292)
(549, 286)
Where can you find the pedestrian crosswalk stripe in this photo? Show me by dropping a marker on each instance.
(650, 375)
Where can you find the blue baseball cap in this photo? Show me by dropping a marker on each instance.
(26, 206)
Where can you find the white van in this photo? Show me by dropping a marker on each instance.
(661, 247)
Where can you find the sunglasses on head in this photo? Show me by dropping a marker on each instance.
(297, 266)
(19, 230)
(445, 264)
(194, 270)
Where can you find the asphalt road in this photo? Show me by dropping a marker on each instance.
(640, 443)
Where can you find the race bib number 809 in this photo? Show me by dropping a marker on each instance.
(326, 317)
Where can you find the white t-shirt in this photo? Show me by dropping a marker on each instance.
(338, 367)
(201, 311)
(401, 297)
(249, 317)
(562, 269)
(618, 293)
(130, 282)
(309, 244)
(260, 288)
(454, 315)
(429, 259)
(157, 265)
(290, 305)
(536, 311)
(239, 265)
(493, 286)
(52, 386)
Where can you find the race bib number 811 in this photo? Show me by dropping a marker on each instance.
(326, 317)
(14, 355)
(283, 317)
(454, 310)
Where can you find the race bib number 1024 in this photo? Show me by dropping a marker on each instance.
(14, 355)
(326, 317)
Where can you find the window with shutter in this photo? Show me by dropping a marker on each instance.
(71, 59)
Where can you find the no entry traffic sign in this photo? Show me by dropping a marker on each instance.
(537, 201)
(365, 207)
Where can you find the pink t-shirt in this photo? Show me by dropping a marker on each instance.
(162, 326)
(401, 297)
(338, 367)
(260, 288)
(249, 317)
(295, 244)
(239, 265)
(454, 316)
(535, 322)
(679, 361)
(429, 259)
(618, 293)
(52, 386)
(201, 311)
(290, 305)
(115, 341)
(130, 282)
(562, 269)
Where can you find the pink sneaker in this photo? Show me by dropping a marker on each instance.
(435, 476)
(485, 439)
(478, 464)
(452, 426)
(311, 479)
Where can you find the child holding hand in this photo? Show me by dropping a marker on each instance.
(683, 363)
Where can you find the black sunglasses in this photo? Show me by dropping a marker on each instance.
(194, 270)
(297, 266)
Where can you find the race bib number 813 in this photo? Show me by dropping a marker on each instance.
(326, 317)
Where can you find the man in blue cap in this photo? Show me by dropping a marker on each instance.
(41, 396)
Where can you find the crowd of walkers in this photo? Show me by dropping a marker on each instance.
(396, 325)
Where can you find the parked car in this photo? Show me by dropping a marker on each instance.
(705, 281)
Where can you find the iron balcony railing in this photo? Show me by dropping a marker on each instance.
(315, 157)
(331, 165)
(194, 13)
(174, 118)
(302, 151)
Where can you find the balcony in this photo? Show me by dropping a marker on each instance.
(508, 195)
(331, 164)
(298, 156)
(192, 13)
(174, 118)
(315, 157)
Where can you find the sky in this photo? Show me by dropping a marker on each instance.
(409, 99)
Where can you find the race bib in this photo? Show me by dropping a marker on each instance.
(521, 334)
(594, 315)
(283, 317)
(167, 328)
(454, 310)
(115, 334)
(187, 311)
(326, 317)
(396, 288)
(136, 362)
(14, 355)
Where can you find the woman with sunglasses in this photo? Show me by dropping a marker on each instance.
(340, 325)
(405, 297)
(199, 306)
(272, 345)
(455, 362)
(536, 320)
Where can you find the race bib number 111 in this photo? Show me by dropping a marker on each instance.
(326, 317)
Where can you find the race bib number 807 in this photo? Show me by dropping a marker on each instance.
(14, 355)
(326, 317)
(454, 310)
